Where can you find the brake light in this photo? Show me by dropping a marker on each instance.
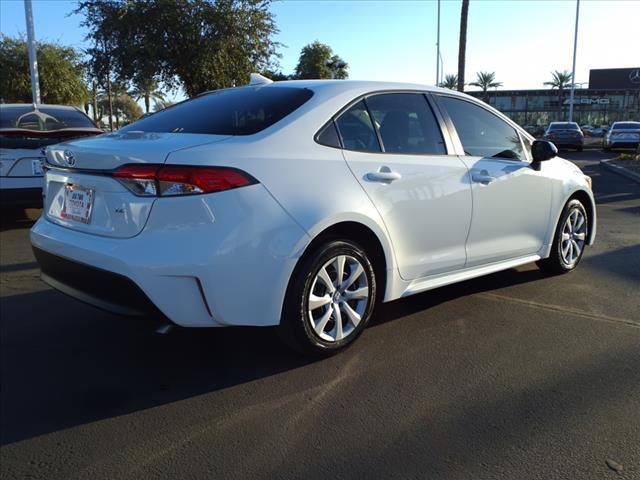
(169, 180)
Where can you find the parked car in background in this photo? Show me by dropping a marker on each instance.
(587, 130)
(565, 135)
(304, 205)
(622, 135)
(600, 131)
(24, 131)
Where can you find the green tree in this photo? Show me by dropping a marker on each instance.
(161, 105)
(317, 60)
(450, 82)
(197, 44)
(147, 90)
(60, 70)
(485, 81)
(462, 45)
(560, 80)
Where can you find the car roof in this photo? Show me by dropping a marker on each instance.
(627, 121)
(361, 86)
(41, 105)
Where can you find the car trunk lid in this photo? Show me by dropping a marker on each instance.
(81, 193)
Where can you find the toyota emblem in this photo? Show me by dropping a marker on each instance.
(634, 76)
(69, 158)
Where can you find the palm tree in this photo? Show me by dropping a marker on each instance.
(486, 80)
(561, 80)
(450, 82)
(147, 89)
(462, 47)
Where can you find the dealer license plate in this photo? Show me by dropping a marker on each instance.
(78, 204)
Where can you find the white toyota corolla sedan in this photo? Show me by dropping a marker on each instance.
(304, 204)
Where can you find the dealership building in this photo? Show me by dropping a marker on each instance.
(612, 95)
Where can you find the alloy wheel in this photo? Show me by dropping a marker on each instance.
(338, 298)
(574, 233)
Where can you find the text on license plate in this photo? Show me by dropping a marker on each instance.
(78, 204)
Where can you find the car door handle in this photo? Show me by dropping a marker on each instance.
(482, 178)
(384, 174)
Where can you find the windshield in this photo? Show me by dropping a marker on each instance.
(236, 111)
(42, 119)
(627, 126)
(564, 126)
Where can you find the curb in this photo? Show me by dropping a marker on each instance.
(625, 172)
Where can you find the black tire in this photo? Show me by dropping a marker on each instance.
(580, 149)
(556, 264)
(295, 328)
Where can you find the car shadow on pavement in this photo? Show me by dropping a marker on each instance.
(64, 363)
(16, 218)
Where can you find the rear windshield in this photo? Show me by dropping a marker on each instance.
(43, 119)
(627, 126)
(236, 111)
(564, 126)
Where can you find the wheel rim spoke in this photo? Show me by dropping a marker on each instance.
(579, 222)
(339, 266)
(322, 322)
(355, 274)
(353, 316)
(337, 317)
(317, 302)
(579, 236)
(358, 294)
(326, 279)
(576, 248)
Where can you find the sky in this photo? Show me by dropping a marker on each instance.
(522, 41)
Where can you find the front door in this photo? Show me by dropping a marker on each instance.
(511, 200)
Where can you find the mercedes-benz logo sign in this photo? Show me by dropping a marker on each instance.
(69, 158)
(634, 76)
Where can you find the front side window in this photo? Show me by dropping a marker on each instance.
(482, 133)
(356, 129)
(406, 124)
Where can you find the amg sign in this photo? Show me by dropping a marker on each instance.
(587, 101)
(615, 78)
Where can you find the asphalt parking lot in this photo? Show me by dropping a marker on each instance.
(517, 376)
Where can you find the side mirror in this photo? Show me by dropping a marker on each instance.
(543, 150)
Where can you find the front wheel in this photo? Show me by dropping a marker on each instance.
(569, 240)
(330, 299)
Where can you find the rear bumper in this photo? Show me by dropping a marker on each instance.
(202, 261)
(572, 143)
(621, 144)
(100, 288)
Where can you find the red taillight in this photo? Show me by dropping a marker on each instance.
(161, 180)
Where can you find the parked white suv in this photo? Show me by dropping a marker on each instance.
(24, 131)
(303, 204)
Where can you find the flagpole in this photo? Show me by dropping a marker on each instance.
(33, 60)
(438, 49)
(573, 71)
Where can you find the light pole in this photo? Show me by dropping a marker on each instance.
(573, 71)
(33, 60)
(438, 49)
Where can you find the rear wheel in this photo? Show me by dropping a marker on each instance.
(569, 241)
(330, 299)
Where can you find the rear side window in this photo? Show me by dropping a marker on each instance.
(482, 133)
(356, 129)
(406, 123)
(236, 111)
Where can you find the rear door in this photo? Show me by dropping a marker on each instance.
(393, 144)
(511, 200)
